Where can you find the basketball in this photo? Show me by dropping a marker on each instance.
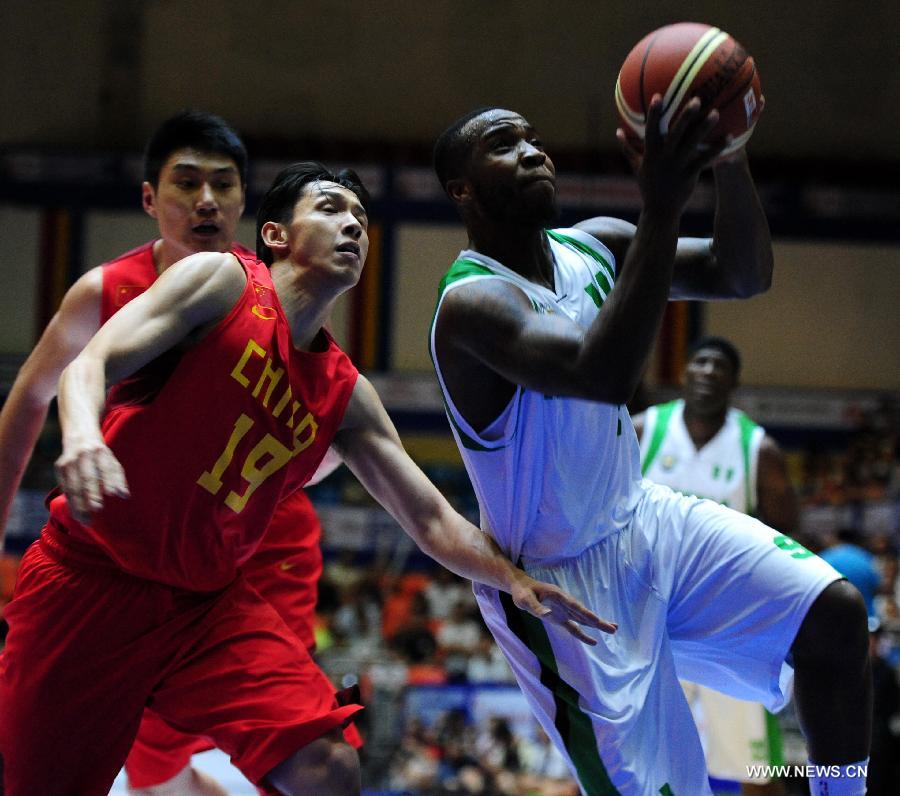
(685, 60)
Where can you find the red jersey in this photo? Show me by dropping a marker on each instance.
(235, 422)
(286, 567)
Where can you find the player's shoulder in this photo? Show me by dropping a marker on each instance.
(207, 278)
(87, 290)
(614, 233)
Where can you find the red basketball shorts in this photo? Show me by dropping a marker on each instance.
(89, 647)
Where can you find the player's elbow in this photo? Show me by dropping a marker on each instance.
(758, 283)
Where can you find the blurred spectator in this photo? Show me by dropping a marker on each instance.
(496, 747)
(344, 571)
(414, 639)
(399, 593)
(458, 638)
(358, 616)
(844, 552)
(544, 769)
(415, 766)
(446, 590)
(487, 664)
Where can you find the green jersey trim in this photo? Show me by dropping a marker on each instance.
(604, 276)
(460, 269)
(748, 427)
(663, 416)
(573, 724)
(774, 740)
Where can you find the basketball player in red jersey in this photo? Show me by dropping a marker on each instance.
(194, 183)
(230, 393)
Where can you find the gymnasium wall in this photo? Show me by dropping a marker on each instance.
(830, 319)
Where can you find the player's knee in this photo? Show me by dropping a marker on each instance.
(188, 782)
(835, 629)
(344, 760)
(327, 765)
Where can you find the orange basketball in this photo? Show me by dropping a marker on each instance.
(685, 60)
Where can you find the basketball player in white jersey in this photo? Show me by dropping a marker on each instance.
(540, 337)
(701, 445)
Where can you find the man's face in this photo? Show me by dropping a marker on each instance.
(197, 203)
(511, 177)
(328, 233)
(709, 379)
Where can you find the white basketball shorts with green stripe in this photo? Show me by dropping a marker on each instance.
(700, 592)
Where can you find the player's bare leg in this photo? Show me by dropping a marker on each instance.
(833, 677)
(328, 765)
(188, 782)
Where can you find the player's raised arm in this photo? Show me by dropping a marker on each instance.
(736, 263)
(371, 447)
(25, 409)
(195, 293)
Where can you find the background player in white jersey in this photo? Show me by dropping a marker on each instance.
(539, 339)
(701, 445)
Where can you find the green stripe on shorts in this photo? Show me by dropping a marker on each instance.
(572, 723)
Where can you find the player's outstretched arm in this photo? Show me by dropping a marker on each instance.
(371, 447)
(25, 409)
(190, 296)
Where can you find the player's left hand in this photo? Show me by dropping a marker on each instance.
(87, 471)
(552, 604)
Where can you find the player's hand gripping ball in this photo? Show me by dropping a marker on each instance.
(685, 60)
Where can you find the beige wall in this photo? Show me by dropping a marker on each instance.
(423, 255)
(831, 319)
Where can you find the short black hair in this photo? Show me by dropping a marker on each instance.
(193, 129)
(281, 198)
(452, 148)
(726, 347)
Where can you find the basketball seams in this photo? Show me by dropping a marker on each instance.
(696, 59)
(644, 60)
(737, 89)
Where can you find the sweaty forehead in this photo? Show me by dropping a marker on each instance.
(487, 121)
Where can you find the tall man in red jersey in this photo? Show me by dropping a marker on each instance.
(194, 183)
(134, 592)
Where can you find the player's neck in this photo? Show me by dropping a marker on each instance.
(703, 426)
(306, 309)
(525, 251)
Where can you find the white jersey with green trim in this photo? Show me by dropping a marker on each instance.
(553, 475)
(724, 469)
